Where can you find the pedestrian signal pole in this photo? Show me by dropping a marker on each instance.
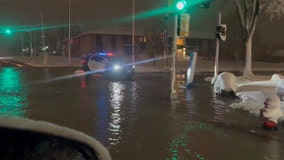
(217, 52)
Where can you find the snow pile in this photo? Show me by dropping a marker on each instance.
(225, 83)
(277, 77)
(79, 71)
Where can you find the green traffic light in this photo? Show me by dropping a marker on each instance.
(180, 5)
(8, 31)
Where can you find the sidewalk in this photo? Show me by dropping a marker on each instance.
(202, 65)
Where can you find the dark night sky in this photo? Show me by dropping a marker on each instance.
(92, 13)
(87, 12)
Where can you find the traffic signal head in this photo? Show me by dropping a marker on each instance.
(180, 5)
(221, 32)
(7, 31)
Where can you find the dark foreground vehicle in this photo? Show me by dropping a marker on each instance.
(23, 138)
(109, 65)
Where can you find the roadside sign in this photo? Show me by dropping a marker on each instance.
(184, 25)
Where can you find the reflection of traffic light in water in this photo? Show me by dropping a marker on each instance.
(13, 93)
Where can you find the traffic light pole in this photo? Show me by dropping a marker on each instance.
(165, 40)
(174, 49)
(217, 50)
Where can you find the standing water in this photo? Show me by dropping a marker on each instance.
(136, 120)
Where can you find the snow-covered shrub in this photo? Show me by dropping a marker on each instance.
(225, 83)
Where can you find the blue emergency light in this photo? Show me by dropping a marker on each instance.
(107, 54)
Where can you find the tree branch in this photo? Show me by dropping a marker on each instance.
(240, 13)
(246, 4)
(256, 12)
(248, 13)
(262, 5)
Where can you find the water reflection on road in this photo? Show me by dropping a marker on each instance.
(135, 119)
(13, 92)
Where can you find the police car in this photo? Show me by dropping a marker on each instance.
(107, 64)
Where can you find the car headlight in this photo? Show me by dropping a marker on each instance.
(116, 67)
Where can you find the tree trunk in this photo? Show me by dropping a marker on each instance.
(247, 71)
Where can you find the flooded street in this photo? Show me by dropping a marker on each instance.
(135, 119)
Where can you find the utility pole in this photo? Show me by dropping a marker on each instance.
(217, 50)
(43, 42)
(31, 46)
(69, 36)
(133, 32)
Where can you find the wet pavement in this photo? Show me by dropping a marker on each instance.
(135, 119)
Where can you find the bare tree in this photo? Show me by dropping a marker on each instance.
(62, 34)
(248, 12)
(155, 44)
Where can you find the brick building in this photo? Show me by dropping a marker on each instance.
(121, 43)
